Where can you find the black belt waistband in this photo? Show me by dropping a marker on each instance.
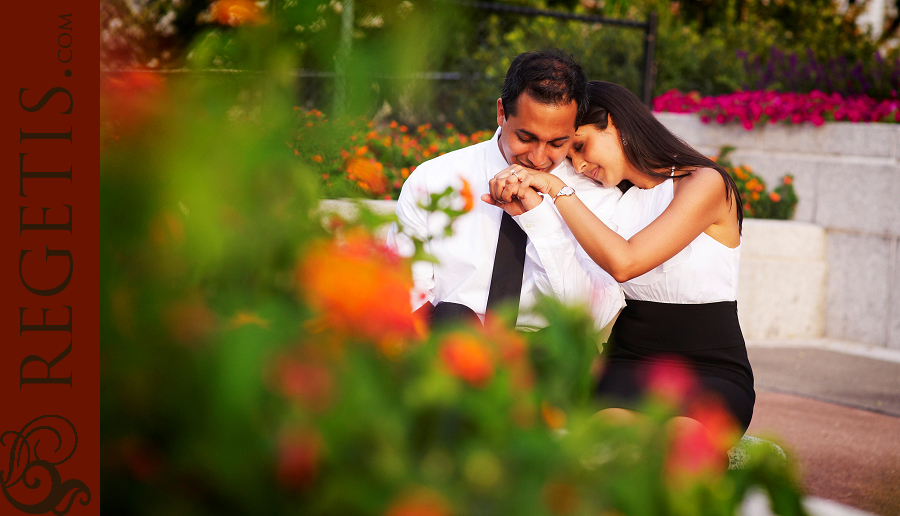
(678, 327)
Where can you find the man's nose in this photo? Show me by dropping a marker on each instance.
(538, 155)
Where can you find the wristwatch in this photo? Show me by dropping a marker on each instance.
(566, 190)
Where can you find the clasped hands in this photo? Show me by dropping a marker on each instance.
(515, 189)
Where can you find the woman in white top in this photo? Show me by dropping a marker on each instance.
(674, 250)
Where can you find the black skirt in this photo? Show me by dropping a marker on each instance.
(705, 338)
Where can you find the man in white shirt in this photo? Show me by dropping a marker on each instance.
(542, 98)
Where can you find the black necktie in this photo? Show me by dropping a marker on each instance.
(509, 265)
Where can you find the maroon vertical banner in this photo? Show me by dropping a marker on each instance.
(49, 357)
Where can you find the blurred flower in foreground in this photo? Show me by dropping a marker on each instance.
(467, 357)
(299, 453)
(129, 99)
(309, 382)
(236, 12)
(669, 380)
(420, 502)
(466, 194)
(701, 450)
(361, 289)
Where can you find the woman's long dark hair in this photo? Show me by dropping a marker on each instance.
(649, 146)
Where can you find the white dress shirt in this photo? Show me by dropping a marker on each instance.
(553, 266)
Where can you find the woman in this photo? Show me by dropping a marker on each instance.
(675, 251)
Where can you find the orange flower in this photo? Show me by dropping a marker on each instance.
(317, 158)
(561, 498)
(362, 150)
(419, 502)
(755, 196)
(403, 129)
(468, 358)
(386, 141)
(554, 417)
(360, 288)
(393, 124)
(774, 196)
(368, 174)
(299, 453)
(404, 172)
(236, 12)
(787, 180)
(468, 198)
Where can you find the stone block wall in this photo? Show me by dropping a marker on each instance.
(847, 177)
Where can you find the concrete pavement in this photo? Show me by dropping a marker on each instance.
(835, 409)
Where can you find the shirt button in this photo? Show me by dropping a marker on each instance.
(528, 225)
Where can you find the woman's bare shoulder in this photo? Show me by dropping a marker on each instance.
(702, 181)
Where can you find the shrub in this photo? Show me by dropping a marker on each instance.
(361, 158)
(759, 203)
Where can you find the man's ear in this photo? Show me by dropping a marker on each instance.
(501, 115)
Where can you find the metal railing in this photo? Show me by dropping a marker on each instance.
(648, 26)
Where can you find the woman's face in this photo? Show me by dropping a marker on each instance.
(599, 155)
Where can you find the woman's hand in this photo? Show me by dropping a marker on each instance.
(515, 189)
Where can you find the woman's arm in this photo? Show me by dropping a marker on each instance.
(698, 203)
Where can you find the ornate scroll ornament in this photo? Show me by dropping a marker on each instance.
(36, 450)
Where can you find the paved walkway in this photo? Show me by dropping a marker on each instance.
(835, 409)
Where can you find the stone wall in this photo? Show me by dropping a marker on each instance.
(847, 177)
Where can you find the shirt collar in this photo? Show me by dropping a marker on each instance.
(495, 160)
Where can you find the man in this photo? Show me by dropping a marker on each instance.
(543, 96)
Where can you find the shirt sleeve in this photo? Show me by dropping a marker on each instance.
(565, 272)
(414, 222)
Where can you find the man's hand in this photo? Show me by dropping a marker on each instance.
(511, 193)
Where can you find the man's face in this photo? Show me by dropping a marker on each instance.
(539, 135)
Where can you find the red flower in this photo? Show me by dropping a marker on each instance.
(701, 450)
(310, 383)
(299, 453)
(129, 99)
(670, 380)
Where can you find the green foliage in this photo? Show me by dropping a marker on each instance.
(699, 41)
(256, 362)
(779, 204)
(361, 158)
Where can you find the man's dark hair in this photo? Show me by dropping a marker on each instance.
(549, 76)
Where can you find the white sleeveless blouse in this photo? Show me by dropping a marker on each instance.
(705, 271)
